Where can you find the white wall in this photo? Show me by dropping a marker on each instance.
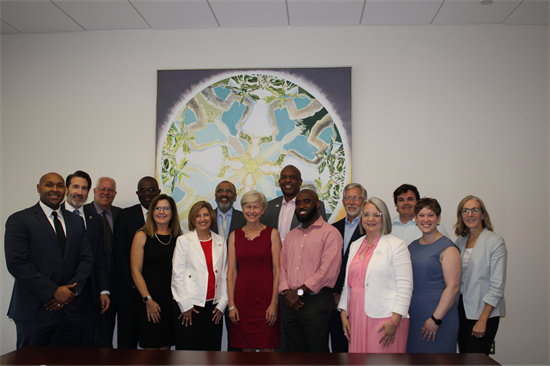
(452, 109)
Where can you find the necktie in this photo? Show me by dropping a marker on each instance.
(223, 229)
(59, 232)
(107, 232)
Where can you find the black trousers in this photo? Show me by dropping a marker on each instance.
(62, 331)
(203, 334)
(338, 340)
(128, 336)
(470, 344)
(307, 329)
(105, 327)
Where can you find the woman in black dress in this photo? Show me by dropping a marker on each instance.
(151, 263)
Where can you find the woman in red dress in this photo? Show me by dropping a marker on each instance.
(253, 279)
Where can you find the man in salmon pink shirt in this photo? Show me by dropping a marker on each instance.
(310, 263)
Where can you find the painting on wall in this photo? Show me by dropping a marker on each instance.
(244, 126)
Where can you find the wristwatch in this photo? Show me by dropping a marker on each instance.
(300, 292)
(148, 297)
(436, 321)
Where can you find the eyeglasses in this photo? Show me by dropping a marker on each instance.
(226, 190)
(160, 208)
(355, 198)
(105, 189)
(466, 211)
(148, 190)
(375, 215)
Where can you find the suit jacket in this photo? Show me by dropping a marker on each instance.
(388, 281)
(99, 278)
(190, 272)
(109, 256)
(34, 258)
(341, 226)
(128, 222)
(271, 215)
(486, 275)
(237, 222)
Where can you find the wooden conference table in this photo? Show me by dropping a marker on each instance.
(103, 356)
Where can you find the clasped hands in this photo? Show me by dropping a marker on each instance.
(61, 297)
(292, 300)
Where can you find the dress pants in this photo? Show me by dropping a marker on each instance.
(470, 344)
(127, 323)
(307, 329)
(89, 316)
(62, 331)
(338, 340)
(105, 327)
(203, 334)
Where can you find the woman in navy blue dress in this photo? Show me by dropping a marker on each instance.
(436, 277)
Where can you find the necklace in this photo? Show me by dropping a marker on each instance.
(169, 240)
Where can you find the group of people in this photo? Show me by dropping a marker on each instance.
(281, 277)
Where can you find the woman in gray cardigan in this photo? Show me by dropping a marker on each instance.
(484, 257)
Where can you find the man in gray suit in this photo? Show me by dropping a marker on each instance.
(234, 219)
(280, 214)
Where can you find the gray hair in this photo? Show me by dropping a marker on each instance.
(356, 185)
(381, 206)
(254, 196)
(101, 178)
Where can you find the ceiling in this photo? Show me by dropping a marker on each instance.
(44, 16)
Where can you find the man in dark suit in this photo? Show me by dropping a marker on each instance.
(128, 222)
(104, 195)
(234, 219)
(350, 228)
(48, 252)
(95, 295)
(280, 214)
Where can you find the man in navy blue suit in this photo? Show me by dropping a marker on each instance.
(95, 296)
(354, 197)
(48, 252)
(104, 195)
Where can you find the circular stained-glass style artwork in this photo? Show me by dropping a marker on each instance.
(244, 129)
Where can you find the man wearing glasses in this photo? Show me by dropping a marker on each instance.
(228, 220)
(104, 195)
(128, 222)
(349, 228)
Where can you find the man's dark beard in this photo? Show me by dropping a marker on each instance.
(306, 218)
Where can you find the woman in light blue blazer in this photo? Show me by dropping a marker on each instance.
(484, 257)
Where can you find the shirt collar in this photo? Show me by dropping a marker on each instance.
(227, 214)
(318, 222)
(397, 221)
(48, 211)
(99, 210)
(353, 222)
(70, 208)
(293, 201)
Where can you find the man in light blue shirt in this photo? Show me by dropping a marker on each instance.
(403, 226)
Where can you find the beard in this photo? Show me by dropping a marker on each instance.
(307, 217)
(224, 206)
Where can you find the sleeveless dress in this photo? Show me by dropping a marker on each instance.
(428, 286)
(364, 335)
(157, 273)
(253, 292)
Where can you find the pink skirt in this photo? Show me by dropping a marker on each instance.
(364, 337)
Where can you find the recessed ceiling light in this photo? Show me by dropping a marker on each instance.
(486, 2)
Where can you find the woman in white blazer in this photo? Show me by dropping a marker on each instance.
(378, 286)
(484, 258)
(199, 282)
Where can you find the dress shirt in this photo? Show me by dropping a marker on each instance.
(48, 212)
(285, 217)
(410, 232)
(80, 210)
(145, 211)
(219, 221)
(110, 219)
(349, 229)
(311, 257)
